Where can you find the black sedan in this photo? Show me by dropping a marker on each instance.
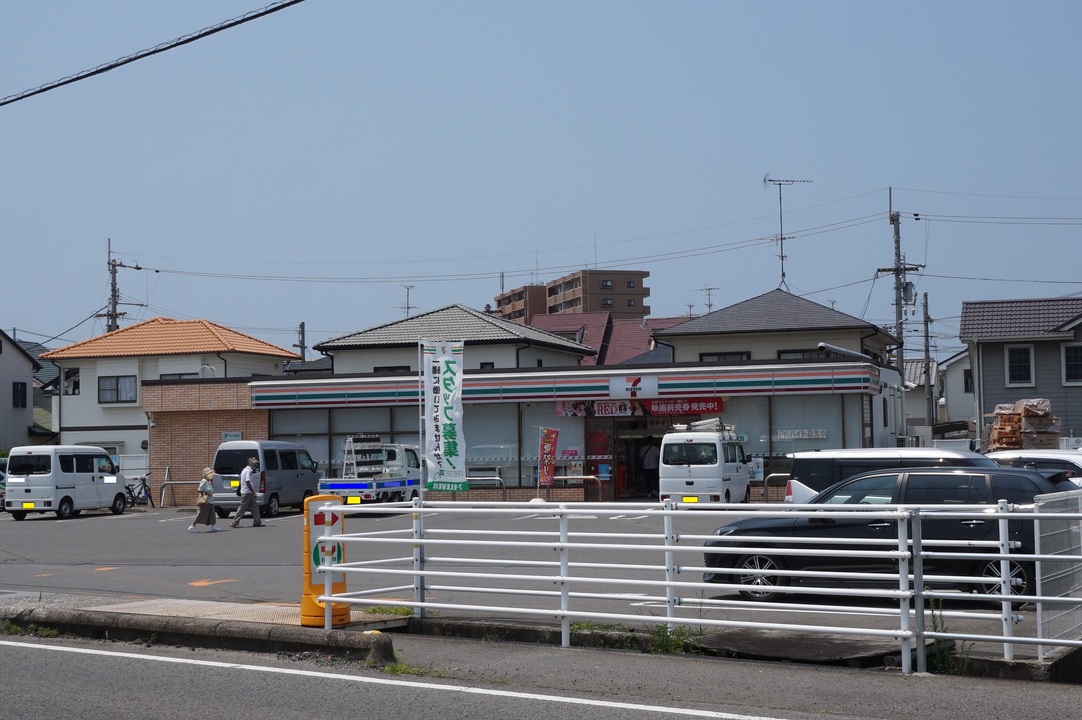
(924, 487)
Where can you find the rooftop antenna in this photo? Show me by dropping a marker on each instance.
(709, 303)
(767, 180)
(407, 307)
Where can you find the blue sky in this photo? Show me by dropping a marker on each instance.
(307, 166)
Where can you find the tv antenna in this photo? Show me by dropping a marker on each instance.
(709, 302)
(767, 180)
(407, 307)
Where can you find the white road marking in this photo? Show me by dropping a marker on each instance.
(563, 699)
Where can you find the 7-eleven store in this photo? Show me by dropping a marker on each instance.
(603, 416)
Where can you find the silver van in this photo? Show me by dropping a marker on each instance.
(63, 479)
(287, 475)
(815, 470)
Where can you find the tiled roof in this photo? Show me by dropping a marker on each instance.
(454, 322)
(49, 371)
(631, 337)
(589, 328)
(1005, 319)
(165, 336)
(775, 311)
(914, 370)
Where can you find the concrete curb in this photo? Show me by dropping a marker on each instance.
(369, 647)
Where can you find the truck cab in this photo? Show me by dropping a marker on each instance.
(704, 462)
(374, 471)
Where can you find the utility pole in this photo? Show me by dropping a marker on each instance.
(781, 232)
(301, 343)
(112, 314)
(903, 290)
(929, 399)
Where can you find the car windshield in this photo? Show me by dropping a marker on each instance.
(875, 490)
(30, 465)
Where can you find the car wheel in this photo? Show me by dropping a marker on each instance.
(119, 503)
(18, 514)
(1021, 578)
(727, 498)
(760, 586)
(221, 512)
(307, 494)
(65, 509)
(747, 493)
(271, 508)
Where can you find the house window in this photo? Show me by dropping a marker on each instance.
(18, 394)
(631, 302)
(392, 369)
(800, 354)
(967, 381)
(606, 302)
(725, 357)
(179, 376)
(117, 389)
(630, 284)
(606, 284)
(1072, 364)
(71, 381)
(1019, 364)
(488, 366)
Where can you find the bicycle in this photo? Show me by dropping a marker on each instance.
(139, 491)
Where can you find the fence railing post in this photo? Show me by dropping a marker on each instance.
(419, 592)
(1005, 578)
(918, 590)
(565, 571)
(670, 566)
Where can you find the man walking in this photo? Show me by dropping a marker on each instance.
(248, 495)
(648, 454)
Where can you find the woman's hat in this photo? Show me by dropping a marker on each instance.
(208, 471)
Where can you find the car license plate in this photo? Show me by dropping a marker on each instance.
(234, 483)
(353, 500)
(27, 505)
(690, 498)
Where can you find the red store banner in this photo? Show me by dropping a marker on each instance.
(546, 469)
(631, 408)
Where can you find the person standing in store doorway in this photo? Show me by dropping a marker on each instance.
(248, 495)
(648, 458)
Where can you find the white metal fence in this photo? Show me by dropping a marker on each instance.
(598, 564)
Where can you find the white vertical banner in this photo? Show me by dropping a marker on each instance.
(444, 445)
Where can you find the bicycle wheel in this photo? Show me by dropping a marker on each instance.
(150, 498)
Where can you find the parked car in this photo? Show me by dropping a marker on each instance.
(813, 471)
(287, 475)
(1067, 461)
(926, 487)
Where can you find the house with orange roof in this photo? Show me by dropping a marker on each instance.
(100, 400)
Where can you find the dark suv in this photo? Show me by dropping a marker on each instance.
(930, 487)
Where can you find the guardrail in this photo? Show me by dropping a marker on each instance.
(584, 562)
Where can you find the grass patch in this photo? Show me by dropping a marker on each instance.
(947, 658)
(13, 628)
(671, 641)
(398, 610)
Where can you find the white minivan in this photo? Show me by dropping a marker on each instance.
(703, 466)
(64, 479)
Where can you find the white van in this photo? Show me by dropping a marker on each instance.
(815, 470)
(287, 475)
(65, 479)
(703, 462)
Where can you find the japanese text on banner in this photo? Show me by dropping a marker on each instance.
(444, 447)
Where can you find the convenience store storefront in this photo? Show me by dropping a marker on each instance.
(603, 415)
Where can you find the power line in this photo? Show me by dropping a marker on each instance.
(184, 40)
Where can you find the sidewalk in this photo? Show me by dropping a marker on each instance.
(268, 627)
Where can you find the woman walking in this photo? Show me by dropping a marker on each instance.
(205, 514)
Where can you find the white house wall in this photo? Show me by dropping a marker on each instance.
(763, 348)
